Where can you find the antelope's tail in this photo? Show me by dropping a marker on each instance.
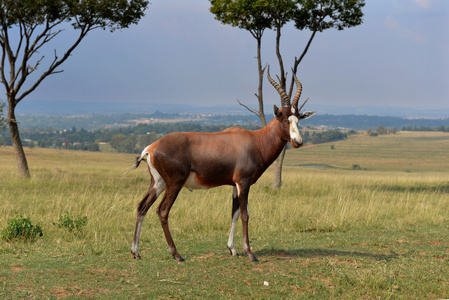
(143, 156)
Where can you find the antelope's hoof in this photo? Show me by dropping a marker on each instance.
(136, 256)
(233, 252)
(254, 259)
(179, 259)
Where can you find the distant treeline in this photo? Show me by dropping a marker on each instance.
(426, 128)
(133, 139)
(325, 136)
(124, 139)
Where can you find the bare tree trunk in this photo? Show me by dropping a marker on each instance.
(259, 92)
(277, 178)
(260, 112)
(22, 163)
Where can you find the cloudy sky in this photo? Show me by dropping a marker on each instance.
(398, 57)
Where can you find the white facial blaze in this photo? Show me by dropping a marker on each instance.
(294, 131)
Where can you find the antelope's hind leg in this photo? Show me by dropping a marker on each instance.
(235, 216)
(163, 211)
(157, 186)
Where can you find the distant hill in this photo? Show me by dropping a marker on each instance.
(99, 121)
(364, 122)
(89, 108)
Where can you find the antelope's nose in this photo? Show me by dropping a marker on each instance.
(295, 143)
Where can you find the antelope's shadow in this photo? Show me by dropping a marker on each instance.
(319, 252)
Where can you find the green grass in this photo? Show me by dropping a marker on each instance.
(404, 151)
(379, 232)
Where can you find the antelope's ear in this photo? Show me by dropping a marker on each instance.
(276, 111)
(306, 115)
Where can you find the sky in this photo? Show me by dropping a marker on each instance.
(179, 54)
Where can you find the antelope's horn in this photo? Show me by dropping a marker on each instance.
(298, 93)
(282, 93)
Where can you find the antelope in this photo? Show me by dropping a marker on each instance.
(235, 157)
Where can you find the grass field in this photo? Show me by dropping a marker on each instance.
(332, 231)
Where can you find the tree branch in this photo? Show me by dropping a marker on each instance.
(298, 61)
(56, 63)
(253, 123)
(249, 108)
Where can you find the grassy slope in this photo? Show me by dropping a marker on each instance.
(330, 232)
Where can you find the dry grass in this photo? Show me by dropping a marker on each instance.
(338, 198)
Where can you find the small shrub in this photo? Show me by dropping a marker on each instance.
(67, 222)
(21, 228)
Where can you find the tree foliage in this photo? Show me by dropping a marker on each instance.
(381, 130)
(253, 16)
(320, 15)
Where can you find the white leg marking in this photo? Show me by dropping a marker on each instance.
(135, 246)
(159, 185)
(235, 218)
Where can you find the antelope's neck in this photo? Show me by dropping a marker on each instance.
(270, 141)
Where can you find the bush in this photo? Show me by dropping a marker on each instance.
(67, 222)
(21, 228)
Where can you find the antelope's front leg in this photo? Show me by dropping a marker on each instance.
(243, 191)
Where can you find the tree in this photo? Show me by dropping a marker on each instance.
(315, 15)
(381, 130)
(122, 143)
(145, 140)
(26, 26)
(2, 117)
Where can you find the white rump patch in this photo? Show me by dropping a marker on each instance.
(159, 182)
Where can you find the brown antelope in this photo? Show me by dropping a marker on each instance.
(235, 157)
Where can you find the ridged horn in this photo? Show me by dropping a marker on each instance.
(298, 93)
(282, 93)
